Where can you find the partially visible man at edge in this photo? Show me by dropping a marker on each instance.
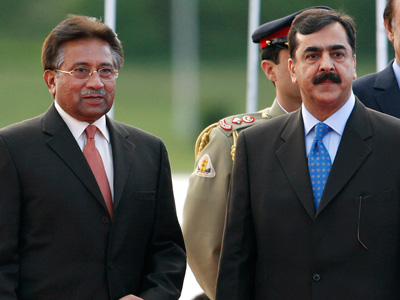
(380, 91)
(206, 200)
(86, 203)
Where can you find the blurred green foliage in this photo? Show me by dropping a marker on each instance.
(144, 86)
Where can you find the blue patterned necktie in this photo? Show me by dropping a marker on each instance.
(319, 162)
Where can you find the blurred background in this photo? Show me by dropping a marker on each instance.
(148, 85)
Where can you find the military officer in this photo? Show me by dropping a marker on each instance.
(206, 200)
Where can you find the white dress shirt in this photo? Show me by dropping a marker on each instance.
(102, 140)
(336, 122)
(396, 70)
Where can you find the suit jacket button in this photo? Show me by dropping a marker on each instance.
(105, 219)
(316, 277)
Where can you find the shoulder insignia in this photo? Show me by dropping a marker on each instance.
(205, 167)
(236, 120)
(234, 123)
(248, 119)
(225, 126)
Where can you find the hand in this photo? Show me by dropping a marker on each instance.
(131, 297)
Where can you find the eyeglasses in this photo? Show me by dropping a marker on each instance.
(85, 73)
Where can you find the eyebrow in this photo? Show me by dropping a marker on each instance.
(330, 48)
(85, 64)
(337, 47)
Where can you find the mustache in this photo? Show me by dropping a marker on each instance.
(94, 92)
(327, 76)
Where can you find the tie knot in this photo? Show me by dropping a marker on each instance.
(321, 129)
(91, 131)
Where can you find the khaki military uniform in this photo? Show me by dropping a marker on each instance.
(206, 200)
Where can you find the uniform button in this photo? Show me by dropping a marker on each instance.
(265, 115)
(316, 277)
(105, 219)
(110, 266)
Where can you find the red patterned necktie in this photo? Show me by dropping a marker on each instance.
(96, 164)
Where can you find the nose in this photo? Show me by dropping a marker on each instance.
(94, 81)
(327, 64)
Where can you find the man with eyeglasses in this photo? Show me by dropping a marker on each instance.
(86, 203)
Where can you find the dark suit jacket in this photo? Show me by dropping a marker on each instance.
(379, 91)
(277, 247)
(56, 237)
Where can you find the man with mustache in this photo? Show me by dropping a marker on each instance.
(314, 210)
(86, 203)
(207, 194)
(334, 77)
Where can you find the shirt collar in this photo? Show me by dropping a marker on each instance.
(396, 70)
(78, 127)
(277, 100)
(337, 121)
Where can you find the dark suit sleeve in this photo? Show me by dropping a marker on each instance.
(363, 88)
(9, 224)
(237, 265)
(166, 256)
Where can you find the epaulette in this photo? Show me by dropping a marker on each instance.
(230, 126)
(236, 123)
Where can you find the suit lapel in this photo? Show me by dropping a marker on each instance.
(293, 159)
(63, 143)
(388, 92)
(351, 154)
(123, 156)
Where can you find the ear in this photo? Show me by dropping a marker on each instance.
(50, 79)
(355, 67)
(269, 69)
(389, 30)
(292, 70)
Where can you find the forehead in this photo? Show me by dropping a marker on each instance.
(87, 51)
(325, 38)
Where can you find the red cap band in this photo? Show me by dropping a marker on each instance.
(264, 42)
